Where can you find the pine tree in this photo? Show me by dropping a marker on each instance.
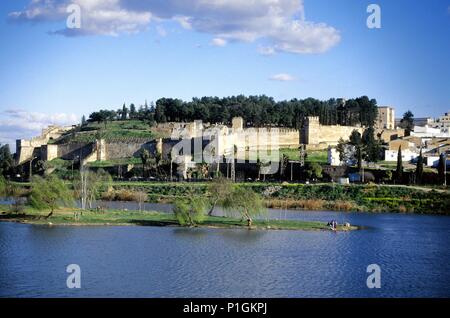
(132, 111)
(399, 171)
(83, 120)
(419, 168)
(441, 168)
(124, 112)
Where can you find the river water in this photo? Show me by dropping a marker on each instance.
(413, 252)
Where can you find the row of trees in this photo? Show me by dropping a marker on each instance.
(221, 192)
(256, 110)
(51, 192)
(418, 175)
(144, 113)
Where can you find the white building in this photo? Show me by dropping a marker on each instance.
(407, 155)
(443, 121)
(333, 157)
(429, 132)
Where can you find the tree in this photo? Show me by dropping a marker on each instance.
(133, 112)
(399, 171)
(313, 170)
(372, 147)
(190, 211)
(83, 121)
(124, 112)
(6, 160)
(141, 196)
(283, 165)
(441, 168)
(419, 168)
(407, 122)
(245, 201)
(90, 185)
(102, 116)
(145, 157)
(49, 193)
(218, 191)
(356, 141)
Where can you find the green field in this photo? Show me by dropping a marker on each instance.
(319, 156)
(115, 162)
(117, 217)
(114, 130)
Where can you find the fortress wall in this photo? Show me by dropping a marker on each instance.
(117, 150)
(260, 139)
(26, 148)
(72, 151)
(390, 134)
(331, 134)
(49, 152)
(317, 136)
(24, 152)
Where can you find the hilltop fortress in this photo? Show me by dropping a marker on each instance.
(222, 140)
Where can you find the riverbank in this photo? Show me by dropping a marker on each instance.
(66, 216)
(325, 196)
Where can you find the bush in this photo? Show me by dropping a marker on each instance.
(191, 211)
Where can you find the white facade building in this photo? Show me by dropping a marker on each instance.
(407, 155)
(429, 132)
(443, 121)
(333, 157)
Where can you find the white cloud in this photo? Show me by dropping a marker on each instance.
(218, 42)
(184, 22)
(279, 23)
(161, 31)
(20, 124)
(98, 17)
(266, 50)
(282, 77)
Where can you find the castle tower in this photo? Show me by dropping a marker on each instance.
(311, 131)
(237, 124)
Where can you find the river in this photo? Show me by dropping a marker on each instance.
(413, 252)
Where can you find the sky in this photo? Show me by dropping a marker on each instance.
(130, 51)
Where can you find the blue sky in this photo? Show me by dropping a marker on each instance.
(132, 51)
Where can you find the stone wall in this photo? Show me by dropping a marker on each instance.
(317, 136)
(49, 152)
(117, 150)
(25, 149)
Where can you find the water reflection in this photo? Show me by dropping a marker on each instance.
(412, 251)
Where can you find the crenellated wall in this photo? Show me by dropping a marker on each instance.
(26, 149)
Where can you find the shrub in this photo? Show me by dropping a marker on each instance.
(190, 211)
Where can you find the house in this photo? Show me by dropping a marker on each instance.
(409, 150)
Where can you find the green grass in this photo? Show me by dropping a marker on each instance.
(114, 130)
(117, 217)
(115, 162)
(319, 156)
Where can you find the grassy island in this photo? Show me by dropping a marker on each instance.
(65, 216)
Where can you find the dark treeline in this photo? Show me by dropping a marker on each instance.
(257, 111)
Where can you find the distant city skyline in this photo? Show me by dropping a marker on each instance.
(131, 51)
